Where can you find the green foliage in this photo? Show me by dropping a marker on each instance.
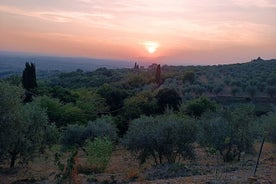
(65, 168)
(92, 104)
(168, 97)
(53, 108)
(162, 138)
(267, 127)
(73, 115)
(229, 132)
(62, 114)
(63, 94)
(15, 80)
(114, 96)
(102, 127)
(207, 79)
(135, 106)
(235, 90)
(189, 76)
(218, 89)
(24, 126)
(251, 90)
(52, 134)
(134, 80)
(10, 97)
(271, 91)
(198, 106)
(76, 135)
(80, 79)
(99, 153)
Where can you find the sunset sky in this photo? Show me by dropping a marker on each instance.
(172, 31)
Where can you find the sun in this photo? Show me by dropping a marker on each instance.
(151, 46)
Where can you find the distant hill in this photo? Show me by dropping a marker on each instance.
(13, 63)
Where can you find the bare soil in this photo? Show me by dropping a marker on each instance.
(124, 168)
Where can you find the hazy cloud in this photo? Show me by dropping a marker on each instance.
(256, 3)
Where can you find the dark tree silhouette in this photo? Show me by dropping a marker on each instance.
(136, 66)
(158, 75)
(168, 98)
(189, 76)
(29, 80)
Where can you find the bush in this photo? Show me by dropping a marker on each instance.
(99, 152)
(102, 127)
(76, 135)
(228, 132)
(267, 126)
(189, 76)
(166, 137)
(198, 106)
(168, 97)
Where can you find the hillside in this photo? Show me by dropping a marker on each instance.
(252, 79)
(195, 124)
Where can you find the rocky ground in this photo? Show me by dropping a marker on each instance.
(124, 168)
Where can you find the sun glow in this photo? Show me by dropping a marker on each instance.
(151, 46)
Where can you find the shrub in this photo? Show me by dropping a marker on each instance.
(198, 106)
(168, 97)
(76, 135)
(267, 125)
(228, 132)
(99, 152)
(102, 127)
(166, 137)
(189, 76)
(271, 91)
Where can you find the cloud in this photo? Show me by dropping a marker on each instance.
(256, 3)
(55, 15)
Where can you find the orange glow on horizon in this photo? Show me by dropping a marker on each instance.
(205, 32)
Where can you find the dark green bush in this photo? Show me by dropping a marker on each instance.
(267, 127)
(168, 98)
(166, 137)
(229, 132)
(198, 106)
(102, 127)
(76, 135)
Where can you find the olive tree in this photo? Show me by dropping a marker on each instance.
(23, 127)
(163, 138)
(267, 126)
(229, 132)
(76, 135)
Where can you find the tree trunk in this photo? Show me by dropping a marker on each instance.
(13, 158)
(160, 157)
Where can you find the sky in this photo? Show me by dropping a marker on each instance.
(169, 31)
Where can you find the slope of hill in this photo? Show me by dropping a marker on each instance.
(252, 79)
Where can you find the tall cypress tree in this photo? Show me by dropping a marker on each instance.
(29, 80)
(158, 75)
